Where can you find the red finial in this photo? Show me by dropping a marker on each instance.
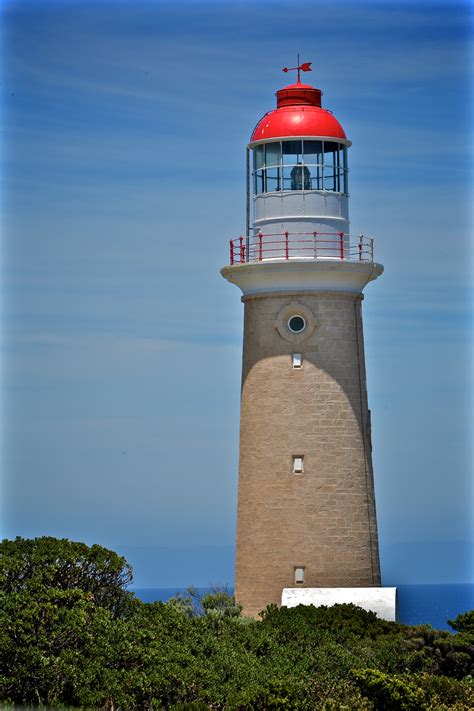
(305, 67)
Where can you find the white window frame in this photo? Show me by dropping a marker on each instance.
(297, 360)
(298, 464)
(299, 573)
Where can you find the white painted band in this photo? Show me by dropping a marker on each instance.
(333, 139)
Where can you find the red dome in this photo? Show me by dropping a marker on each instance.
(298, 113)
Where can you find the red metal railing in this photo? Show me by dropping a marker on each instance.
(301, 245)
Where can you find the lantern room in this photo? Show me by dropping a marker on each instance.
(297, 209)
(300, 165)
(297, 170)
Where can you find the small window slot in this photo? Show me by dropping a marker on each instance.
(298, 462)
(299, 576)
(297, 360)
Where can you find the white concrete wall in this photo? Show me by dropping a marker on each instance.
(303, 212)
(382, 601)
(300, 204)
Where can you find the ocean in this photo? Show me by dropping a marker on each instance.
(418, 604)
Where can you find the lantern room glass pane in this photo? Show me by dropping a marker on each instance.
(292, 152)
(306, 178)
(273, 179)
(259, 182)
(345, 177)
(331, 153)
(313, 152)
(258, 157)
(293, 177)
(272, 154)
(329, 178)
(296, 177)
(315, 177)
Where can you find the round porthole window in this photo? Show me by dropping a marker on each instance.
(296, 324)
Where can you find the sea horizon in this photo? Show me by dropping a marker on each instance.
(418, 603)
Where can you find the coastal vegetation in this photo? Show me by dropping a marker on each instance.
(71, 634)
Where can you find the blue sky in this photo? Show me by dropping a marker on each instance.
(123, 180)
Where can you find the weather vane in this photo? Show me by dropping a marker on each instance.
(305, 67)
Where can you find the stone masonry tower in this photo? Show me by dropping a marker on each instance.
(306, 506)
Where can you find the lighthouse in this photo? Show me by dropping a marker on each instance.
(306, 518)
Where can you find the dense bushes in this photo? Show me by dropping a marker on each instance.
(36, 566)
(71, 634)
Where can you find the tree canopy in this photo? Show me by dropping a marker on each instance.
(35, 565)
(71, 634)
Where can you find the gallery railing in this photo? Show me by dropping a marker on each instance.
(301, 245)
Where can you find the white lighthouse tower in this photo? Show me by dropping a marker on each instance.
(306, 521)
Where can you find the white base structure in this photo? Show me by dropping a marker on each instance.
(382, 601)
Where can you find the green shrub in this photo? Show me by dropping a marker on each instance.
(389, 692)
(443, 692)
(464, 623)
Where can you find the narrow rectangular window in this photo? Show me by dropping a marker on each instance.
(299, 576)
(297, 360)
(298, 464)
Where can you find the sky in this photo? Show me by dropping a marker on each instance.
(123, 179)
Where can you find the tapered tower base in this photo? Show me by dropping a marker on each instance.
(319, 523)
